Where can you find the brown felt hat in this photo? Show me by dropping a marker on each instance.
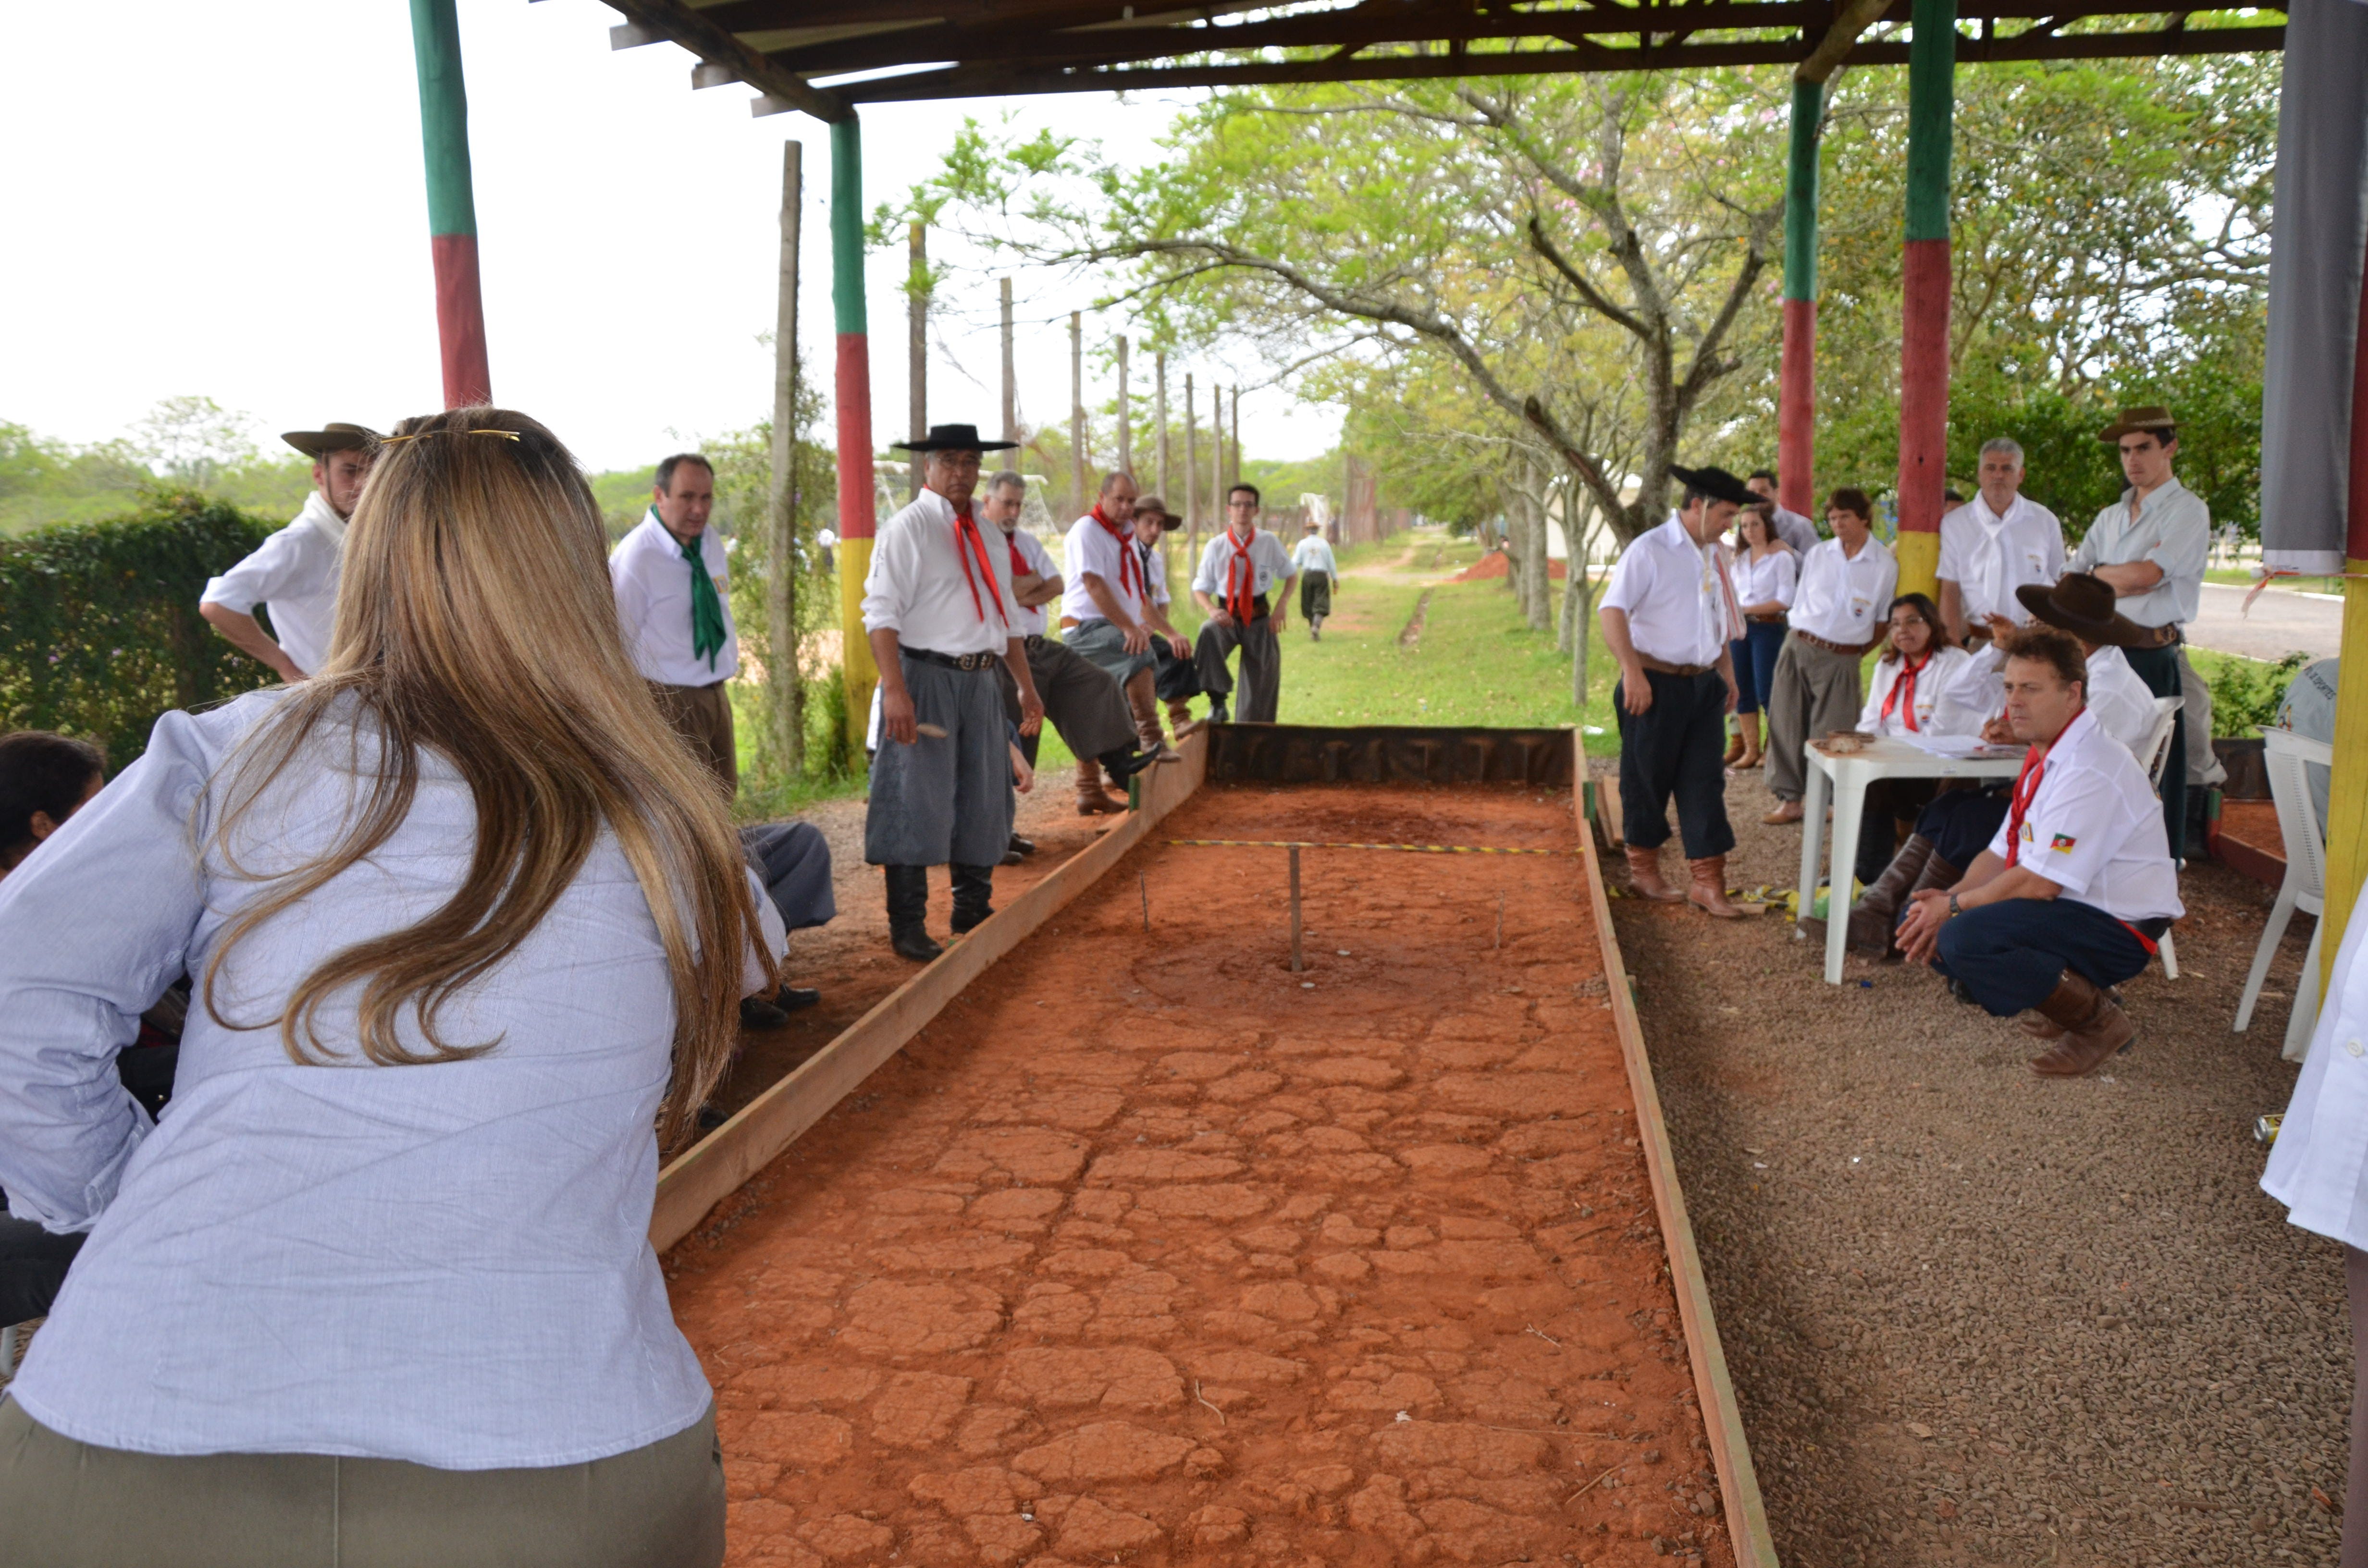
(1169, 521)
(2083, 606)
(331, 438)
(2134, 420)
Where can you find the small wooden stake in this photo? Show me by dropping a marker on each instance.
(1295, 964)
(1144, 887)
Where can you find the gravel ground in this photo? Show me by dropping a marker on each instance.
(1977, 1317)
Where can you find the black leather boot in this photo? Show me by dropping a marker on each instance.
(974, 893)
(908, 910)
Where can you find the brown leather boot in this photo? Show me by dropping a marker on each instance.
(1733, 750)
(1093, 801)
(2093, 1029)
(1875, 918)
(1709, 891)
(1644, 876)
(1141, 699)
(1180, 720)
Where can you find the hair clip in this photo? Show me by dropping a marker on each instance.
(446, 431)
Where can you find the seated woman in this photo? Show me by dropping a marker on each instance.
(1915, 666)
(470, 952)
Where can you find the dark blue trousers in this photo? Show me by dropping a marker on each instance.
(1677, 747)
(1755, 663)
(1961, 822)
(2009, 956)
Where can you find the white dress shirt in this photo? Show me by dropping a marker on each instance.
(2095, 829)
(2318, 1166)
(2171, 527)
(1940, 666)
(1093, 548)
(1028, 620)
(1989, 556)
(295, 573)
(1313, 553)
(1975, 694)
(447, 1264)
(916, 586)
(1843, 598)
(1795, 530)
(652, 578)
(1671, 589)
(1269, 564)
(1759, 579)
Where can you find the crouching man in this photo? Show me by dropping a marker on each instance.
(2076, 888)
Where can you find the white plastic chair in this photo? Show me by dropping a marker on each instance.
(2304, 889)
(2155, 755)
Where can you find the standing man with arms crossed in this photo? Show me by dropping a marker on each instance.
(295, 571)
(1669, 615)
(1837, 616)
(937, 607)
(1244, 587)
(1993, 545)
(1318, 575)
(2150, 547)
(674, 598)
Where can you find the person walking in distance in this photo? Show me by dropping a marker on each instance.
(937, 607)
(1319, 574)
(673, 600)
(1670, 617)
(295, 571)
(1243, 585)
(1836, 619)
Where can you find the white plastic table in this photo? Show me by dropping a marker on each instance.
(1844, 777)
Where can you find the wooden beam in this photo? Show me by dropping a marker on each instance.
(1747, 1513)
(717, 1166)
(677, 23)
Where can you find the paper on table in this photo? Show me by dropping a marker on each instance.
(1944, 745)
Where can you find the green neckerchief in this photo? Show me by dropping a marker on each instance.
(706, 608)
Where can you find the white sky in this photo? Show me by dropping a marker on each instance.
(229, 200)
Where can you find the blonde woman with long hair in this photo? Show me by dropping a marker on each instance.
(469, 927)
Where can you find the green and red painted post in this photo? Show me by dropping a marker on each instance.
(1924, 336)
(452, 203)
(857, 519)
(1796, 381)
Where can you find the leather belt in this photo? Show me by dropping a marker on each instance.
(1777, 619)
(954, 660)
(1855, 651)
(2157, 636)
(1034, 642)
(1663, 667)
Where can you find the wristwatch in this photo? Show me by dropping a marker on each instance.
(1953, 910)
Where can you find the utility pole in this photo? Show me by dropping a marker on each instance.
(784, 672)
(1191, 473)
(1236, 476)
(917, 351)
(1160, 412)
(1077, 409)
(1220, 503)
(1125, 419)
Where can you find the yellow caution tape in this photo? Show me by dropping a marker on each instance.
(1409, 849)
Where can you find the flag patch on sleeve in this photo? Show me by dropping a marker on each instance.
(2062, 844)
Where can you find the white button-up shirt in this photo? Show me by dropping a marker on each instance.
(295, 573)
(1762, 579)
(918, 589)
(1989, 556)
(1093, 548)
(2095, 829)
(2318, 1167)
(1028, 620)
(1670, 588)
(1940, 666)
(448, 1264)
(1975, 694)
(652, 578)
(1843, 598)
(2171, 527)
(1269, 564)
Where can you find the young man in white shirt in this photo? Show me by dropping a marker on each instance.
(1109, 614)
(1080, 699)
(1244, 587)
(938, 606)
(295, 571)
(1799, 533)
(2075, 892)
(1992, 545)
(674, 598)
(2151, 546)
(1838, 615)
(1176, 678)
(1319, 574)
(1669, 617)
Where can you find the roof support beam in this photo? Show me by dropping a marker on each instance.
(783, 89)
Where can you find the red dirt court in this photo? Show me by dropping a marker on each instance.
(1150, 1250)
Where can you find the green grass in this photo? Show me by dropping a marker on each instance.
(2244, 579)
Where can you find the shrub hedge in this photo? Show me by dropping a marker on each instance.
(99, 630)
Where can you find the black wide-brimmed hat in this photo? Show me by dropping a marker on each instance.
(1714, 483)
(952, 438)
(2082, 605)
(331, 438)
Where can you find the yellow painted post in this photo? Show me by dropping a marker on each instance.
(2347, 795)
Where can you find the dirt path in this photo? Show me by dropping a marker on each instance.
(1978, 1317)
(1150, 1250)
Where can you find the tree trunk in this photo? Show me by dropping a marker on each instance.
(1540, 575)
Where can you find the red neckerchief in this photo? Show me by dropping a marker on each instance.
(1129, 564)
(969, 543)
(1904, 689)
(1240, 602)
(2026, 788)
(1019, 562)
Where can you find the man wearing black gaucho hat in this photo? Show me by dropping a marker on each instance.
(939, 608)
(1668, 615)
(295, 571)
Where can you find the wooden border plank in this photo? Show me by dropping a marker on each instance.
(714, 1167)
(1747, 1514)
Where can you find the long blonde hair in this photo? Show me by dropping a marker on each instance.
(475, 619)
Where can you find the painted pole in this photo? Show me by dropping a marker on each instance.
(1191, 475)
(1924, 336)
(1234, 474)
(1125, 416)
(1159, 413)
(1796, 383)
(452, 203)
(852, 385)
(1219, 518)
(2347, 800)
(782, 664)
(1010, 373)
(1077, 409)
(916, 345)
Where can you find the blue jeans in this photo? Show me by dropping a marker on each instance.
(2009, 955)
(1755, 663)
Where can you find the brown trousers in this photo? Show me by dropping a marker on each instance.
(70, 1504)
(703, 716)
